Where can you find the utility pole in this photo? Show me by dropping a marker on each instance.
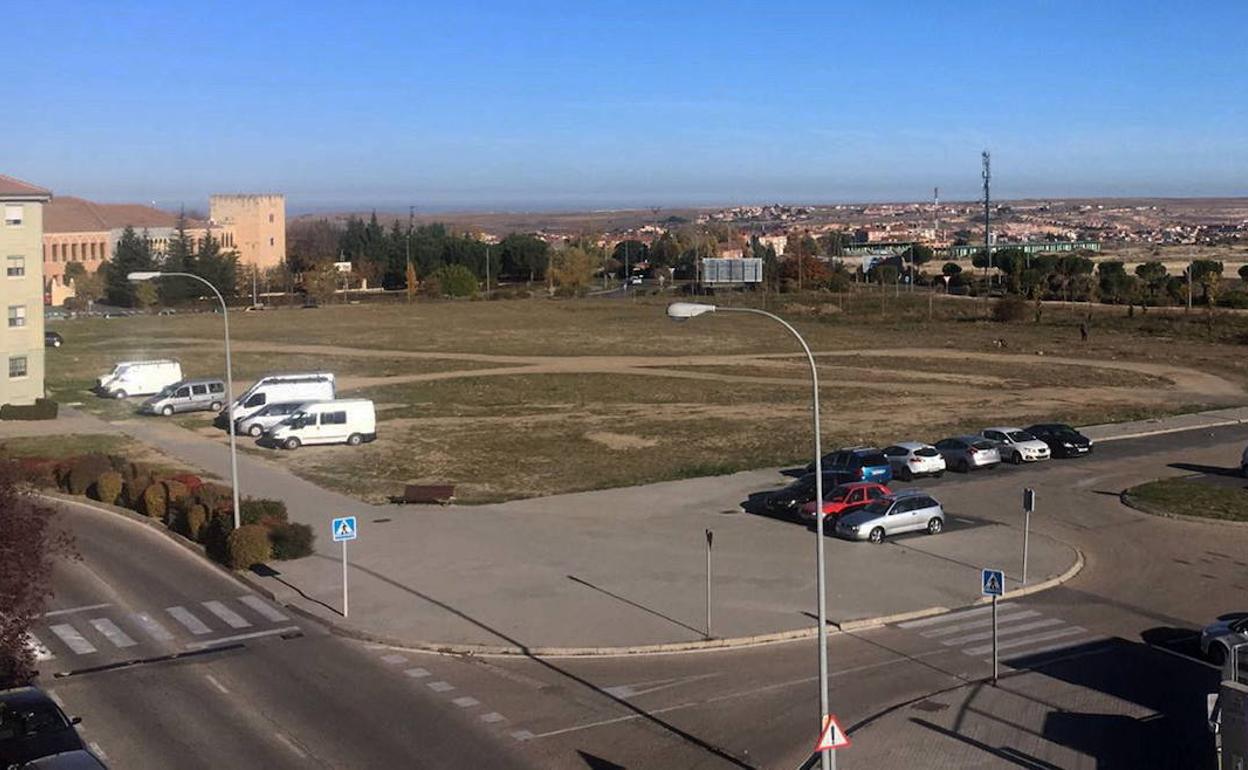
(987, 174)
(411, 213)
(487, 269)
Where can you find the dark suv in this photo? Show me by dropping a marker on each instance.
(860, 463)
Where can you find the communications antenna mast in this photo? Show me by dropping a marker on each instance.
(935, 213)
(987, 173)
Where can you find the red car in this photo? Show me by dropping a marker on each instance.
(846, 497)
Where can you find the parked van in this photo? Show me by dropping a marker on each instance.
(187, 396)
(139, 378)
(346, 421)
(282, 388)
(262, 421)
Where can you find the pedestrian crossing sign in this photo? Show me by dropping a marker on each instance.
(993, 582)
(832, 737)
(343, 529)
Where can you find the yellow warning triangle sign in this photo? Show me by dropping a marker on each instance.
(832, 737)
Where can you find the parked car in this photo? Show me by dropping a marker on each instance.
(139, 378)
(965, 453)
(914, 458)
(284, 388)
(33, 726)
(1017, 445)
(1063, 440)
(186, 396)
(347, 421)
(79, 759)
(1243, 463)
(264, 420)
(1217, 638)
(53, 340)
(862, 463)
(905, 512)
(788, 500)
(844, 498)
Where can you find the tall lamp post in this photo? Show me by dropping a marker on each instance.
(683, 311)
(229, 372)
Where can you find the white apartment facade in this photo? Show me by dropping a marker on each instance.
(21, 290)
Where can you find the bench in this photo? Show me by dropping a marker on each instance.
(442, 494)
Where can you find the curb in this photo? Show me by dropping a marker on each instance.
(1163, 431)
(1134, 503)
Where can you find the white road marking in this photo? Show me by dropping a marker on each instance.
(39, 648)
(1006, 631)
(188, 620)
(951, 616)
(153, 628)
(99, 752)
(213, 681)
(290, 745)
(112, 633)
(1070, 631)
(440, 686)
(1001, 617)
(72, 639)
(492, 717)
(641, 688)
(71, 610)
(466, 702)
(232, 618)
(240, 637)
(395, 659)
(416, 673)
(521, 735)
(264, 608)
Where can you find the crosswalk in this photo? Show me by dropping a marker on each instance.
(1021, 631)
(102, 630)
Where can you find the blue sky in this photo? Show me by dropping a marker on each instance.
(595, 104)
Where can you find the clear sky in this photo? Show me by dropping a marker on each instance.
(530, 104)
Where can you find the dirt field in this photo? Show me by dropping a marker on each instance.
(524, 398)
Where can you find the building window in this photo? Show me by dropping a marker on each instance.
(15, 267)
(17, 316)
(272, 242)
(73, 251)
(17, 367)
(13, 214)
(56, 251)
(270, 219)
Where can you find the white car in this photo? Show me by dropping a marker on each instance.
(1017, 445)
(1217, 638)
(914, 458)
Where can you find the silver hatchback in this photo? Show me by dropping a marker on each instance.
(891, 515)
(966, 453)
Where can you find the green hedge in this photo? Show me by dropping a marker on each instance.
(42, 409)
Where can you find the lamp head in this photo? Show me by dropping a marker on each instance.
(683, 311)
(143, 275)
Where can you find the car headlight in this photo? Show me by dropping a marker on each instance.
(1068, 445)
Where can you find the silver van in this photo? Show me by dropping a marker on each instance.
(187, 396)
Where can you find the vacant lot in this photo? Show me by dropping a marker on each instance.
(521, 398)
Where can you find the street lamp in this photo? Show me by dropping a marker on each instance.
(145, 275)
(683, 311)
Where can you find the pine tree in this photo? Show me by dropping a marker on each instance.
(133, 252)
(218, 267)
(180, 258)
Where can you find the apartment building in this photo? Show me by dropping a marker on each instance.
(21, 290)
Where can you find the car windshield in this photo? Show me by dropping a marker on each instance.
(927, 451)
(983, 445)
(29, 720)
(879, 507)
(1020, 435)
(874, 458)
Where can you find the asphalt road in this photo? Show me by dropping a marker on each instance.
(171, 663)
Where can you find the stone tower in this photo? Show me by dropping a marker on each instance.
(259, 226)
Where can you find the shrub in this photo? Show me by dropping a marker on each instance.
(84, 471)
(456, 280)
(291, 541)
(175, 491)
(215, 536)
(38, 471)
(42, 409)
(1234, 299)
(1009, 309)
(248, 545)
(189, 480)
(253, 510)
(154, 503)
(107, 487)
(215, 497)
(192, 520)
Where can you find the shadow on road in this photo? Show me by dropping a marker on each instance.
(632, 603)
(1208, 470)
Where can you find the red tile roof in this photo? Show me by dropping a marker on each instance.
(12, 187)
(68, 214)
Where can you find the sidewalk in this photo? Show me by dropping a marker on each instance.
(1180, 422)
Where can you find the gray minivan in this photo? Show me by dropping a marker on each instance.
(187, 396)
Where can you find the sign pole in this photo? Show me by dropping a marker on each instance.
(344, 528)
(994, 638)
(709, 537)
(1029, 505)
(344, 579)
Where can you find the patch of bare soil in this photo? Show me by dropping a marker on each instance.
(620, 441)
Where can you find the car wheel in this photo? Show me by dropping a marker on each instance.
(355, 439)
(167, 411)
(935, 526)
(938, 474)
(906, 474)
(216, 406)
(255, 431)
(119, 395)
(291, 443)
(964, 466)
(877, 535)
(1217, 654)
(1016, 458)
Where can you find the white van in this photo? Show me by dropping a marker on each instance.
(280, 388)
(346, 421)
(139, 378)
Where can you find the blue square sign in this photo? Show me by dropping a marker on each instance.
(343, 529)
(993, 583)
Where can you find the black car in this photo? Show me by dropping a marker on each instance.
(33, 726)
(52, 340)
(1063, 440)
(789, 500)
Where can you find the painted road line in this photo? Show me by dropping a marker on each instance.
(1193, 659)
(417, 673)
(521, 735)
(72, 639)
(213, 681)
(264, 608)
(153, 628)
(189, 621)
(1008, 630)
(466, 702)
(440, 686)
(290, 745)
(395, 659)
(71, 610)
(952, 616)
(38, 648)
(112, 633)
(232, 618)
(982, 623)
(1070, 631)
(239, 638)
(492, 718)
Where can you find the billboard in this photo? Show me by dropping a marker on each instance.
(725, 270)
